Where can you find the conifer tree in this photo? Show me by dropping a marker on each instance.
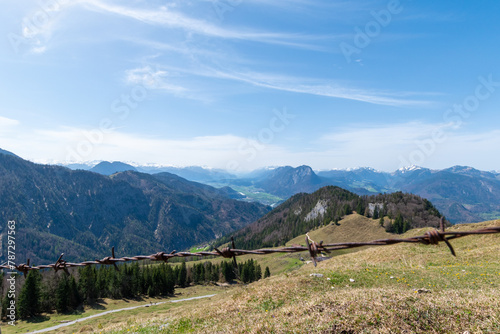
(398, 225)
(182, 279)
(360, 209)
(267, 272)
(87, 284)
(62, 295)
(74, 299)
(208, 271)
(29, 297)
(169, 284)
(244, 273)
(406, 226)
(227, 271)
(258, 272)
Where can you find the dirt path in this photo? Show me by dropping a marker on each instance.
(113, 311)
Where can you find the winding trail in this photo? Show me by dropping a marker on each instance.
(114, 311)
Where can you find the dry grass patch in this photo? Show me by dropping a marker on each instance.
(353, 228)
(406, 288)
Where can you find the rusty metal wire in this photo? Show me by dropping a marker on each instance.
(433, 237)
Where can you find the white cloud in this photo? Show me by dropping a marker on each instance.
(40, 49)
(7, 122)
(8, 128)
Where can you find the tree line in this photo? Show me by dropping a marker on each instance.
(46, 292)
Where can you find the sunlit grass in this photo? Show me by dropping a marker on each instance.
(408, 288)
(403, 288)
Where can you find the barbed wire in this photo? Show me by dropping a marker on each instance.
(433, 237)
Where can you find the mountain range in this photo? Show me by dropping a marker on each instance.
(463, 194)
(83, 213)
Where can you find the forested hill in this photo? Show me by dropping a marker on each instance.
(83, 213)
(304, 212)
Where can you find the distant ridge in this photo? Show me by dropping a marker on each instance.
(192, 173)
(110, 168)
(7, 153)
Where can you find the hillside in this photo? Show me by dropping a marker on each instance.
(83, 214)
(304, 212)
(374, 291)
(404, 288)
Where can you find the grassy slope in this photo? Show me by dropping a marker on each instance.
(383, 298)
(353, 228)
(463, 295)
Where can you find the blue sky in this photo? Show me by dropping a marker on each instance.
(252, 83)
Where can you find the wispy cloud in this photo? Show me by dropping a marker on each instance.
(8, 122)
(313, 86)
(169, 82)
(39, 25)
(167, 17)
(355, 136)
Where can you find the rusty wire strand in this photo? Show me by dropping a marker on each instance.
(433, 237)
